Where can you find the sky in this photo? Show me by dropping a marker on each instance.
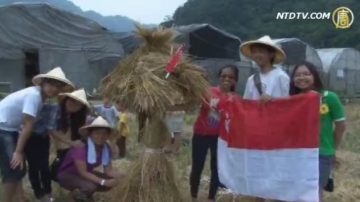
(143, 11)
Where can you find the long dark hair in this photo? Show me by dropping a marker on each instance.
(236, 73)
(73, 120)
(318, 85)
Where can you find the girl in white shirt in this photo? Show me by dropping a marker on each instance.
(17, 113)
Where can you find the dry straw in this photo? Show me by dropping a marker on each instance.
(139, 82)
(139, 79)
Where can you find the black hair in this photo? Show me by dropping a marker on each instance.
(73, 120)
(236, 74)
(318, 85)
(267, 47)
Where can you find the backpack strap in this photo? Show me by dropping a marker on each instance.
(257, 83)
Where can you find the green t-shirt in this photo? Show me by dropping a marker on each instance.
(331, 110)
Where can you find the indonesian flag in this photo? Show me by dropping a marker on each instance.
(271, 150)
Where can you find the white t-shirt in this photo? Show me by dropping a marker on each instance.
(275, 83)
(14, 106)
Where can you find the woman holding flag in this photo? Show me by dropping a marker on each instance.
(206, 130)
(306, 78)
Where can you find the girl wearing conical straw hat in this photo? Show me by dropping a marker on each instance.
(72, 114)
(77, 171)
(17, 113)
(51, 119)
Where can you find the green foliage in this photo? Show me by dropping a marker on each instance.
(250, 19)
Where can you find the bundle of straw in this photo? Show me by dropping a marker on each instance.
(139, 82)
(152, 177)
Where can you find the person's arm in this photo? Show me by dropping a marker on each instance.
(17, 158)
(339, 131)
(32, 105)
(116, 112)
(338, 117)
(82, 170)
(60, 136)
(109, 171)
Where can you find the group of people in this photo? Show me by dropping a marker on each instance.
(30, 117)
(28, 120)
(269, 83)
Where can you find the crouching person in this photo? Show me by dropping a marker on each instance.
(78, 173)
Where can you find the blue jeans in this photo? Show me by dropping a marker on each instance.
(325, 167)
(8, 142)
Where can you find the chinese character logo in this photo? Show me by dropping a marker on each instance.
(342, 18)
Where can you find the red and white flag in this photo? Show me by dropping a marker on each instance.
(271, 150)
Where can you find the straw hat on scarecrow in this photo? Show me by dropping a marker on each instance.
(245, 48)
(55, 74)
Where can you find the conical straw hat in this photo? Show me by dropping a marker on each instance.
(245, 48)
(56, 74)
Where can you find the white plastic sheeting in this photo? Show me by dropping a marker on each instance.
(61, 39)
(298, 51)
(342, 70)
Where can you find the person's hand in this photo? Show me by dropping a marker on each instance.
(265, 98)
(111, 183)
(17, 160)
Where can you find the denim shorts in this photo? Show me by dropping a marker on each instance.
(325, 167)
(8, 142)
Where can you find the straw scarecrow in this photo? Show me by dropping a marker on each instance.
(151, 81)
